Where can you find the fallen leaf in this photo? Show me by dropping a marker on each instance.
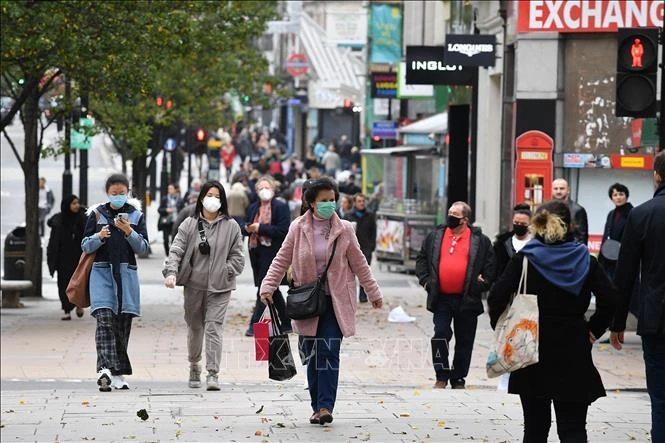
(260, 410)
(380, 402)
(280, 425)
(258, 433)
(22, 402)
(129, 437)
(417, 392)
(178, 433)
(142, 414)
(9, 411)
(85, 402)
(405, 414)
(441, 424)
(630, 437)
(603, 348)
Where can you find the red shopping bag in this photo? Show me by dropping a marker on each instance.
(262, 337)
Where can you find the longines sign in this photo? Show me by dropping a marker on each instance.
(425, 66)
(470, 50)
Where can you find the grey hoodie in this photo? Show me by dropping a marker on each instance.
(215, 272)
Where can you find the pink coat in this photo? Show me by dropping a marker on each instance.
(349, 262)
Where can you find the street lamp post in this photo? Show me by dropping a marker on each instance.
(67, 182)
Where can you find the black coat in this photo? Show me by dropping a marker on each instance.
(503, 251)
(262, 256)
(64, 246)
(642, 254)
(565, 370)
(365, 231)
(578, 214)
(614, 231)
(481, 262)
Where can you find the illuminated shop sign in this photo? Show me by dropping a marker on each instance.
(588, 16)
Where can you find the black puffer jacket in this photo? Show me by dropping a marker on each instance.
(481, 262)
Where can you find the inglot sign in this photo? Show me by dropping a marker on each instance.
(425, 66)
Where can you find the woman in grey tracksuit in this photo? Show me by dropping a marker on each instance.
(205, 257)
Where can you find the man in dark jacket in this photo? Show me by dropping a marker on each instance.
(365, 224)
(507, 244)
(641, 255)
(455, 266)
(266, 225)
(561, 191)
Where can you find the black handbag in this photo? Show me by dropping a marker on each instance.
(281, 365)
(309, 301)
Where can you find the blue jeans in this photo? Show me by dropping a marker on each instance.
(448, 311)
(653, 347)
(323, 364)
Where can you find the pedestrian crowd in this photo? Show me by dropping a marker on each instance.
(304, 230)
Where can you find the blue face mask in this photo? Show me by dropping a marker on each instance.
(325, 209)
(117, 201)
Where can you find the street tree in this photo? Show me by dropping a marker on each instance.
(119, 54)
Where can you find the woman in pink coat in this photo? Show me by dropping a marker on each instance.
(307, 248)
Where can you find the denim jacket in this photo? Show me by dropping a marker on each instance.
(114, 281)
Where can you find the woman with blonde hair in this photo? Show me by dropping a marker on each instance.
(562, 273)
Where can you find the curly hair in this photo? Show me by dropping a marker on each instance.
(551, 222)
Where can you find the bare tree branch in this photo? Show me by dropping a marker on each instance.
(30, 84)
(49, 81)
(11, 143)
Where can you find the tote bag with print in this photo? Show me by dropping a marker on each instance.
(516, 335)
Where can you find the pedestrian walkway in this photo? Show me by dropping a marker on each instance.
(49, 390)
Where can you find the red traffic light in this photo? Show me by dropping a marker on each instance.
(200, 135)
(159, 100)
(348, 103)
(376, 138)
(169, 104)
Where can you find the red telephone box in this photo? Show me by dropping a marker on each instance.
(533, 180)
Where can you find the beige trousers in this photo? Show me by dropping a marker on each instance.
(204, 313)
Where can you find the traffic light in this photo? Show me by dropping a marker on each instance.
(200, 135)
(169, 104)
(637, 67)
(348, 104)
(159, 101)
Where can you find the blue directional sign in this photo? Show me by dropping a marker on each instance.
(384, 129)
(169, 145)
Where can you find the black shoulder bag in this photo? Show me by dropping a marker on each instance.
(309, 301)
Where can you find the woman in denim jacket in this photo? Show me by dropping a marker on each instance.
(114, 282)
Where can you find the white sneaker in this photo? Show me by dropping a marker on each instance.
(212, 382)
(104, 378)
(119, 382)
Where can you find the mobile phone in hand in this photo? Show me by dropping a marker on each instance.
(123, 216)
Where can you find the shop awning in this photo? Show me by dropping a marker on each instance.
(401, 150)
(335, 69)
(437, 124)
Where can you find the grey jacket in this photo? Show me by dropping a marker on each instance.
(215, 272)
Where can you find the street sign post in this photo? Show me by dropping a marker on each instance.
(297, 65)
(385, 129)
(169, 145)
(82, 140)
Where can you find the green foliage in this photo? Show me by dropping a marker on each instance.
(124, 53)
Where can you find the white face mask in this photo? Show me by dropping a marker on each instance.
(211, 204)
(266, 194)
